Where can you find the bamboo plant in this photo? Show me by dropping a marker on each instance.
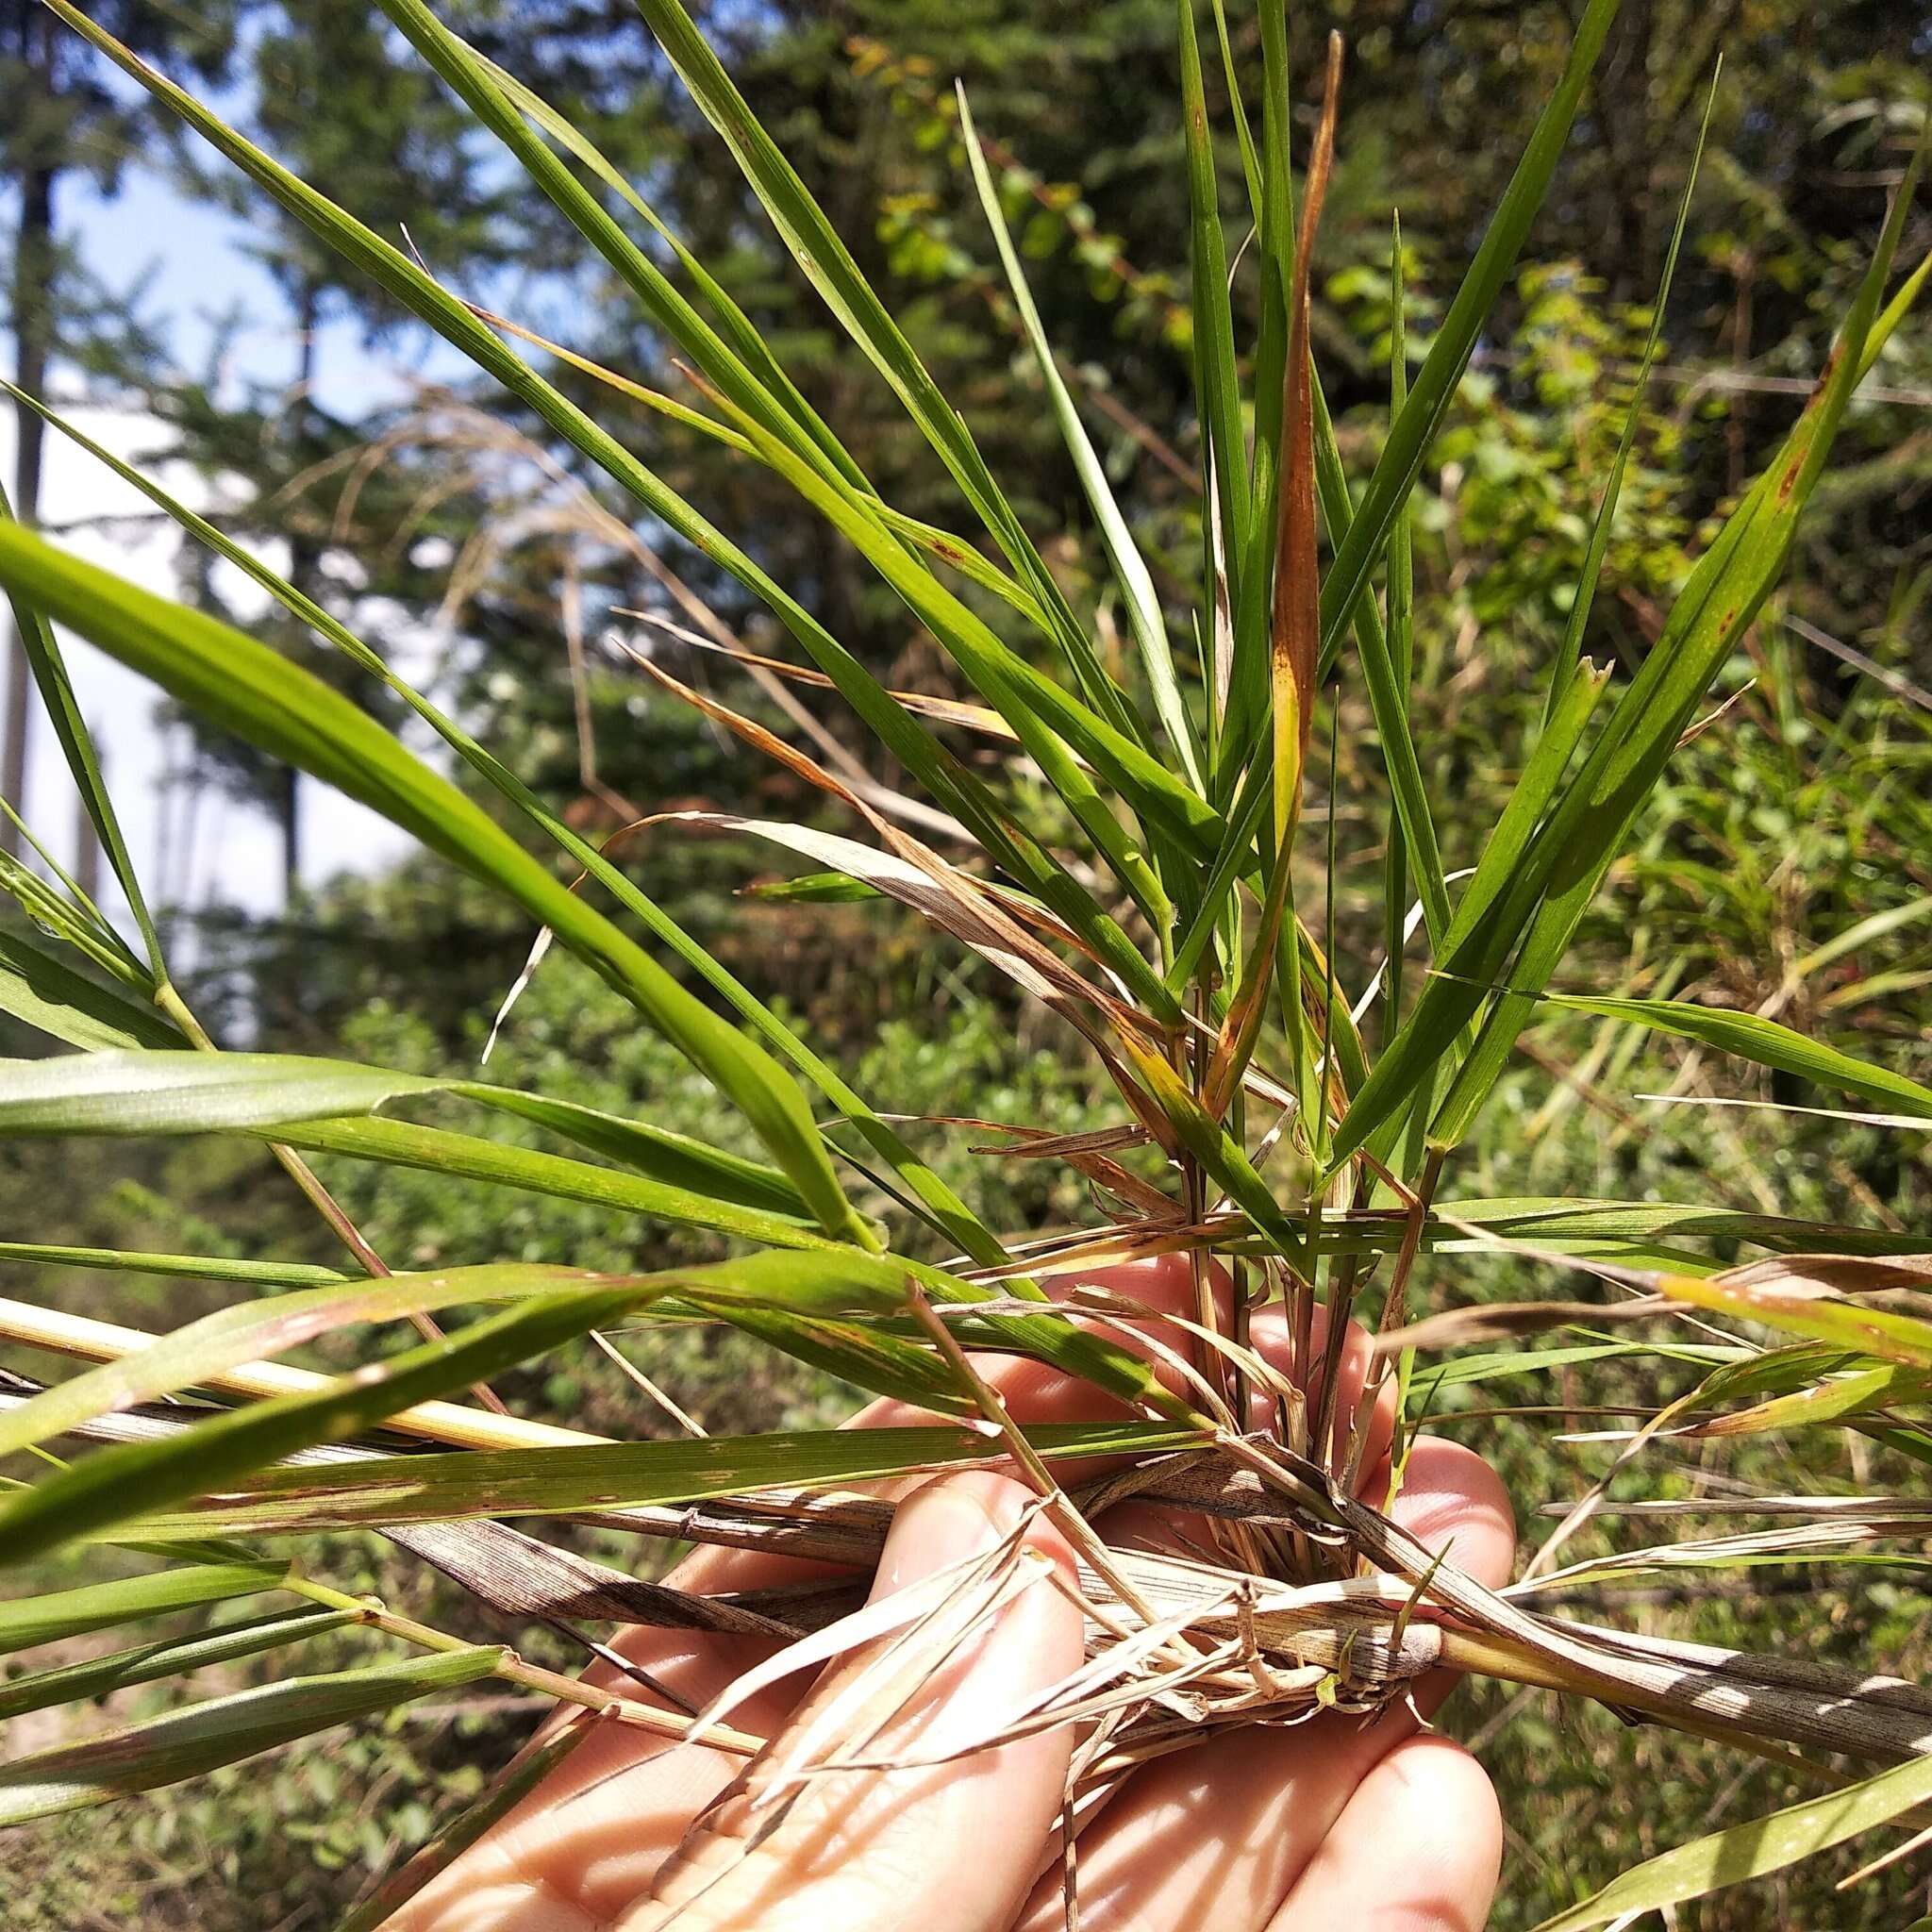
(1159, 912)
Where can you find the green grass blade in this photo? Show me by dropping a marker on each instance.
(1570, 649)
(472, 78)
(1215, 377)
(828, 265)
(863, 1354)
(188, 1267)
(1753, 1849)
(1800, 1309)
(1467, 1371)
(1762, 1041)
(60, 1614)
(65, 915)
(942, 1205)
(1217, 1151)
(186, 1093)
(187, 1744)
(1455, 341)
(1234, 856)
(1131, 570)
(1540, 1220)
(394, 1489)
(469, 1156)
(115, 1483)
(1863, 1393)
(1243, 134)
(290, 714)
(731, 320)
(258, 1330)
(957, 555)
(1712, 613)
(168, 1657)
(837, 1282)
(825, 1286)
(47, 992)
(1430, 1030)
(1046, 718)
(49, 668)
(950, 783)
(677, 1159)
(1401, 651)
(1274, 242)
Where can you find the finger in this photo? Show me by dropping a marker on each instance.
(1217, 1836)
(697, 1667)
(586, 1842)
(952, 1843)
(1431, 1798)
(1034, 1392)
(1037, 1391)
(595, 1831)
(587, 1845)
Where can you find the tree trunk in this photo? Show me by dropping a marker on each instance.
(33, 324)
(304, 561)
(289, 817)
(87, 844)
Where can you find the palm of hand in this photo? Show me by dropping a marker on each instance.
(1290, 1828)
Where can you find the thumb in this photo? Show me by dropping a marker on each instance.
(952, 1844)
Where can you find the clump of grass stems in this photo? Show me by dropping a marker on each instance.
(1166, 919)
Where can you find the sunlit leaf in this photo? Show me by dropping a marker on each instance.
(32, 1620)
(550, 1482)
(204, 1737)
(167, 1656)
(1754, 1848)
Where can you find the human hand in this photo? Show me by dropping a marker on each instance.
(1270, 1828)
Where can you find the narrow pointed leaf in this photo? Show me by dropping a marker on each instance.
(468, 1156)
(49, 667)
(1455, 341)
(732, 321)
(112, 1484)
(946, 1210)
(1757, 1297)
(289, 712)
(188, 1267)
(1216, 381)
(160, 1093)
(167, 1656)
(1753, 1849)
(474, 81)
(202, 1737)
(1711, 616)
(447, 1488)
(28, 1621)
(828, 265)
(47, 993)
(1590, 573)
(258, 1330)
(1764, 1043)
(1144, 618)
(1430, 1030)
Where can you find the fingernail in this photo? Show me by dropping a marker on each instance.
(945, 1523)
